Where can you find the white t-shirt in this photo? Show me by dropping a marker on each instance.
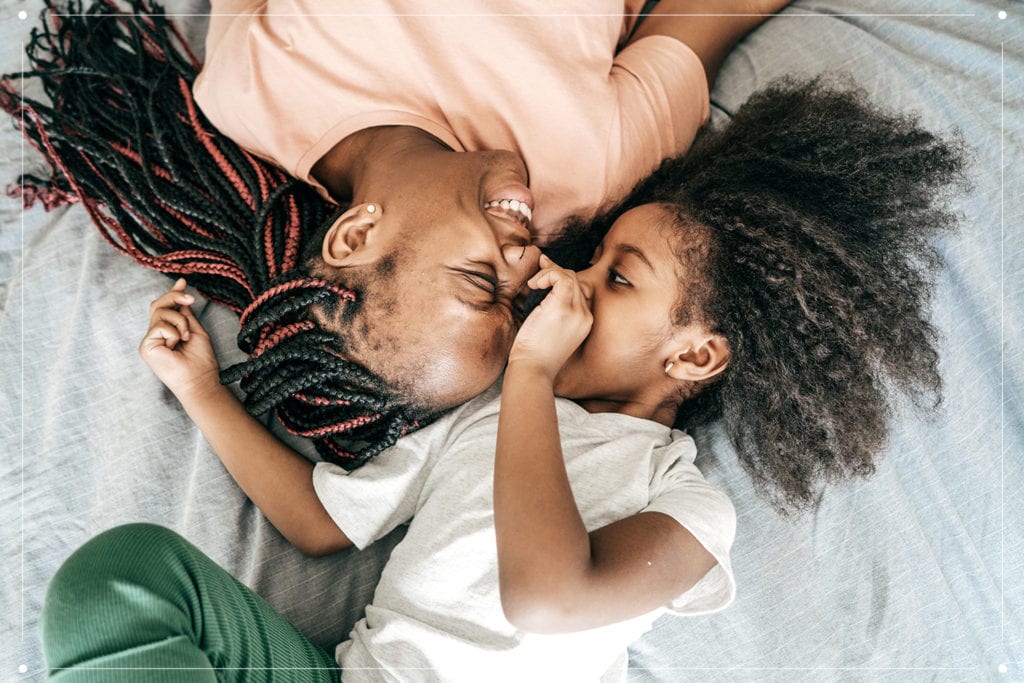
(436, 613)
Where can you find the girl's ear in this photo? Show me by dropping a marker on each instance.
(699, 355)
(346, 241)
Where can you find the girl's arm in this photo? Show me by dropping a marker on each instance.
(553, 575)
(276, 478)
(711, 30)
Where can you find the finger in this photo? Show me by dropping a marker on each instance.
(175, 318)
(171, 299)
(584, 292)
(161, 334)
(544, 280)
(546, 262)
(194, 326)
(547, 277)
(179, 285)
(546, 265)
(563, 288)
(541, 277)
(535, 281)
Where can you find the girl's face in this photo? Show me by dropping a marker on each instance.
(634, 284)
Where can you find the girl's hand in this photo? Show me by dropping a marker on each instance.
(177, 348)
(557, 327)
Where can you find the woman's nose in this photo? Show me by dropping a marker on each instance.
(522, 261)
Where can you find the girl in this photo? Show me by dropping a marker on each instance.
(808, 224)
(795, 244)
(485, 576)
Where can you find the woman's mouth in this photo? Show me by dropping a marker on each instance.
(513, 208)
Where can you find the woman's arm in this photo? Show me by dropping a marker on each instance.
(276, 478)
(553, 575)
(712, 36)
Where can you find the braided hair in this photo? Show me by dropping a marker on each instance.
(123, 137)
(807, 224)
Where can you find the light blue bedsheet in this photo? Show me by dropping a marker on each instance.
(916, 574)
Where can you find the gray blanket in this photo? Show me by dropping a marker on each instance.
(914, 574)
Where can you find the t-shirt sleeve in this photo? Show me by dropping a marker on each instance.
(369, 502)
(663, 101)
(682, 493)
(222, 14)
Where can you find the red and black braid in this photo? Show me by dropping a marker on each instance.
(124, 137)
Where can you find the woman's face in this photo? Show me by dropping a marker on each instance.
(449, 255)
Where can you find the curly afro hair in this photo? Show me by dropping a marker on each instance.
(818, 212)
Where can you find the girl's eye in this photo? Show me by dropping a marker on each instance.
(616, 278)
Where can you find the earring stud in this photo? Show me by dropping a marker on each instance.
(371, 208)
(668, 366)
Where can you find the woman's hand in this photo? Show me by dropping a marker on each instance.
(556, 327)
(276, 478)
(177, 348)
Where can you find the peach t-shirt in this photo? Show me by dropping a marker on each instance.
(289, 79)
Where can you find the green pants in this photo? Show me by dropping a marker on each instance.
(140, 603)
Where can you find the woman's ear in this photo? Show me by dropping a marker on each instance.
(699, 355)
(346, 241)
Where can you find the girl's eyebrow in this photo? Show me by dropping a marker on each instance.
(624, 249)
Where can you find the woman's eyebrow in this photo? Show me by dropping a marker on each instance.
(624, 249)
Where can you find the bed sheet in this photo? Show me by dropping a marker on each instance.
(915, 574)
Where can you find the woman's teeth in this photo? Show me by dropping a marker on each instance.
(515, 208)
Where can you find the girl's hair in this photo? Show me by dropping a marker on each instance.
(813, 212)
(124, 137)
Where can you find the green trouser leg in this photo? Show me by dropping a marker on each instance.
(140, 603)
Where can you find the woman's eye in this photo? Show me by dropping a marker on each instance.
(487, 284)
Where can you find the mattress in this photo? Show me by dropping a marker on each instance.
(914, 574)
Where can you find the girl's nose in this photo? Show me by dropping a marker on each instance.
(587, 287)
(587, 279)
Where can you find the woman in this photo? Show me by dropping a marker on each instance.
(430, 245)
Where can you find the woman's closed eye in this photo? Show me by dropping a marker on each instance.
(487, 283)
(497, 292)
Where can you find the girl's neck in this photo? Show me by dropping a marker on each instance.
(664, 413)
